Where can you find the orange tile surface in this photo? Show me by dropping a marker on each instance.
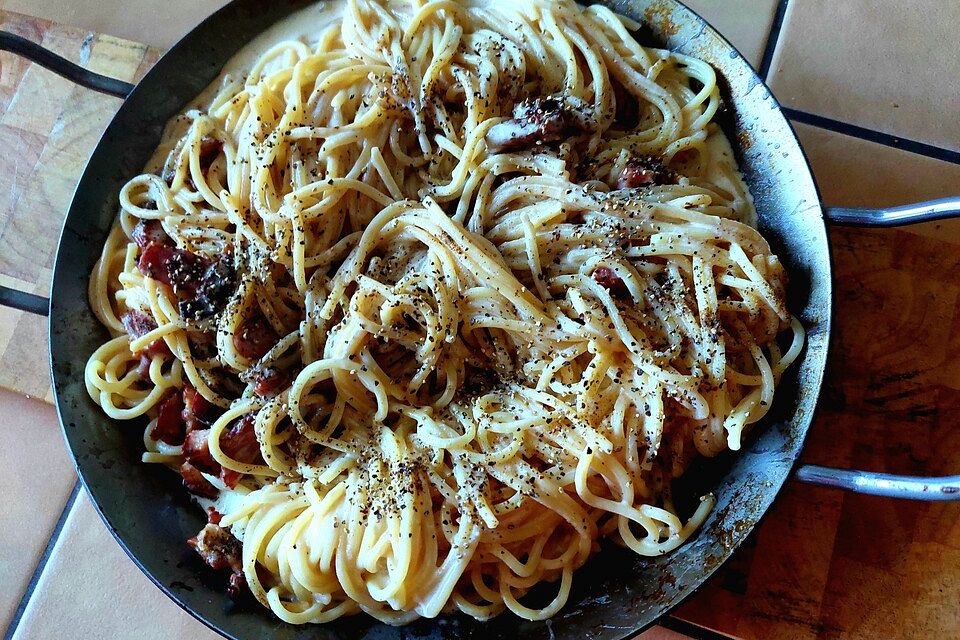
(36, 475)
(889, 66)
(857, 173)
(90, 590)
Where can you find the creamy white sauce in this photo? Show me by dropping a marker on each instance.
(305, 25)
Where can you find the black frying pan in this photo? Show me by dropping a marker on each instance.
(617, 593)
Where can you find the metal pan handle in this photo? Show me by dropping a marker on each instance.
(63, 67)
(895, 216)
(882, 484)
(74, 73)
(885, 484)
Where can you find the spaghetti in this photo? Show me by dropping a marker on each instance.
(428, 301)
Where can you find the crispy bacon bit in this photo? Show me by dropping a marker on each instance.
(148, 231)
(536, 122)
(236, 585)
(195, 483)
(155, 261)
(634, 176)
(210, 148)
(230, 477)
(269, 382)
(197, 410)
(143, 367)
(181, 269)
(139, 324)
(221, 550)
(218, 548)
(169, 425)
(240, 443)
(254, 338)
(214, 516)
(643, 172)
(212, 292)
(197, 452)
(608, 279)
(203, 285)
(240, 440)
(185, 271)
(203, 345)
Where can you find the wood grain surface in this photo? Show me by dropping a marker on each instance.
(48, 128)
(823, 564)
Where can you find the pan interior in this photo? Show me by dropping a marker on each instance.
(617, 592)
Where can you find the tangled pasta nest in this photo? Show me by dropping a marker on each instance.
(424, 308)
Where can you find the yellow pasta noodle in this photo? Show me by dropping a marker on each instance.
(494, 284)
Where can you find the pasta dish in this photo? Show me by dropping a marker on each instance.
(425, 299)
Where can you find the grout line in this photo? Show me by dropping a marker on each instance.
(886, 139)
(690, 629)
(24, 301)
(773, 38)
(35, 578)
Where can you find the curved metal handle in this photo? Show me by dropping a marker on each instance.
(882, 484)
(885, 484)
(63, 67)
(894, 216)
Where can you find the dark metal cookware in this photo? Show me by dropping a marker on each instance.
(616, 593)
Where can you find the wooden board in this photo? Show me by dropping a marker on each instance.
(822, 564)
(48, 128)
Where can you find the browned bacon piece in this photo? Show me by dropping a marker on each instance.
(254, 337)
(139, 324)
(634, 176)
(147, 231)
(197, 411)
(170, 265)
(221, 550)
(217, 546)
(203, 286)
(269, 382)
(169, 427)
(236, 584)
(195, 483)
(143, 367)
(608, 279)
(212, 292)
(197, 452)
(537, 121)
(644, 172)
(240, 443)
(210, 148)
